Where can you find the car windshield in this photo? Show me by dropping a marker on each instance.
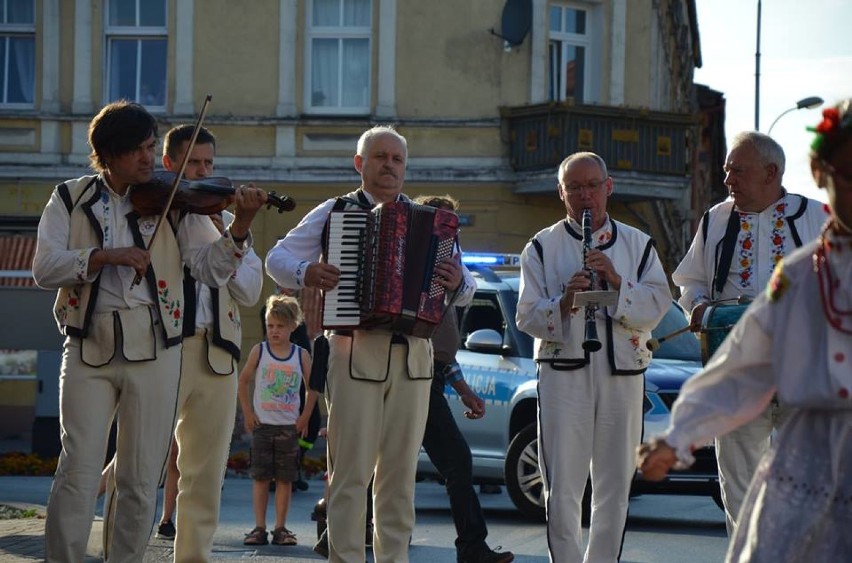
(681, 347)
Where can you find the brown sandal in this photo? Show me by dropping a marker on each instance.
(256, 537)
(283, 536)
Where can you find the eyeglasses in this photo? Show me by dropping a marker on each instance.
(575, 188)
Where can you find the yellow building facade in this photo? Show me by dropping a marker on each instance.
(491, 95)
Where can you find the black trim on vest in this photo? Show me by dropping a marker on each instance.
(579, 236)
(644, 262)
(728, 242)
(86, 206)
(65, 196)
(565, 364)
(189, 303)
(230, 347)
(794, 232)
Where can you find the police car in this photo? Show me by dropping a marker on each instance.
(496, 359)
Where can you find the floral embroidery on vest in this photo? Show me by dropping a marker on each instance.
(72, 303)
(234, 318)
(81, 265)
(550, 349)
(777, 242)
(746, 249)
(105, 201)
(172, 306)
(779, 237)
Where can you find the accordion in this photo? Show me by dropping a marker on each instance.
(387, 259)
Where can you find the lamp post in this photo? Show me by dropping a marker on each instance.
(810, 102)
(757, 74)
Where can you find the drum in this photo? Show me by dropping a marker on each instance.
(717, 322)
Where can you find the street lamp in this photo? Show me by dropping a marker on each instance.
(810, 102)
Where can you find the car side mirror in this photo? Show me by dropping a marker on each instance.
(485, 341)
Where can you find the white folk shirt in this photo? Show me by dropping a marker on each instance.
(643, 299)
(763, 239)
(784, 344)
(244, 285)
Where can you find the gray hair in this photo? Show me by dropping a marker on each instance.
(581, 156)
(378, 131)
(769, 150)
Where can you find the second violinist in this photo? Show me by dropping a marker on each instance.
(91, 246)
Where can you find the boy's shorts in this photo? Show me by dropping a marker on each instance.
(275, 453)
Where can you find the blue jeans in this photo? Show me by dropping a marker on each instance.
(450, 454)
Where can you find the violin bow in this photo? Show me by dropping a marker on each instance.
(177, 180)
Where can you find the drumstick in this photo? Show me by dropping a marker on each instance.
(653, 344)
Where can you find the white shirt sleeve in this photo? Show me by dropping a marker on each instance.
(538, 315)
(287, 261)
(212, 258)
(691, 274)
(734, 388)
(54, 265)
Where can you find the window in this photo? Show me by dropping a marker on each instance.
(568, 54)
(483, 312)
(17, 53)
(136, 51)
(338, 57)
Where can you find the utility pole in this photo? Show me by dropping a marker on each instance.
(757, 75)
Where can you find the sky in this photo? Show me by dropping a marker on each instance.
(805, 50)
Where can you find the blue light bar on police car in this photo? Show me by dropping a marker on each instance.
(491, 259)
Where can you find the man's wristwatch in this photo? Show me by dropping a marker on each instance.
(237, 240)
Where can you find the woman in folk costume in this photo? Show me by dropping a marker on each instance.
(795, 340)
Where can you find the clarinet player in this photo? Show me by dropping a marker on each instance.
(590, 402)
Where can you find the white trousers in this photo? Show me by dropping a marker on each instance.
(373, 426)
(738, 454)
(142, 396)
(206, 410)
(589, 421)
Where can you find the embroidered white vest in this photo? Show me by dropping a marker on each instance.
(75, 304)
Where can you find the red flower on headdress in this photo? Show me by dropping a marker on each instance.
(830, 121)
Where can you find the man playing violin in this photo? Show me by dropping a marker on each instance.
(211, 349)
(738, 244)
(121, 356)
(590, 403)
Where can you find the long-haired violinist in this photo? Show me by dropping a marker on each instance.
(122, 352)
(590, 358)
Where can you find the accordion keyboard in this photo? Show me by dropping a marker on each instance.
(346, 231)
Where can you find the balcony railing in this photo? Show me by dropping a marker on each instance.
(627, 139)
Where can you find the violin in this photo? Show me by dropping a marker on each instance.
(206, 196)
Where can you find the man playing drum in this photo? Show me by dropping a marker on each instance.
(732, 256)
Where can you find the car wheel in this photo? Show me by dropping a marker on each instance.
(523, 477)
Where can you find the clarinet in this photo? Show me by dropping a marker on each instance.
(591, 342)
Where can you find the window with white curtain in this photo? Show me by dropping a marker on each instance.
(338, 57)
(568, 54)
(136, 49)
(17, 53)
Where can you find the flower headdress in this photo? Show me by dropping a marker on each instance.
(830, 130)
